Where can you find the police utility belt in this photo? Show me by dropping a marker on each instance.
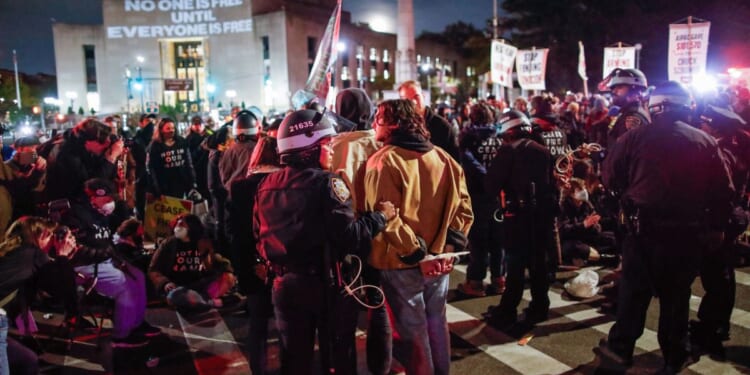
(308, 270)
(634, 220)
(513, 207)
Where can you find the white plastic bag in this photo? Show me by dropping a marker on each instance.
(584, 285)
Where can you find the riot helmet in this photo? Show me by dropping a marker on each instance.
(721, 118)
(670, 96)
(302, 131)
(626, 85)
(513, 121)
(245, 125)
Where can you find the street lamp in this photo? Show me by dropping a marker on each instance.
(426, 68)
(139, 86)
(210, 89)
(231, 94)
(49, 101)
(72, 95)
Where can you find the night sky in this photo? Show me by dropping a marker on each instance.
(26, 25)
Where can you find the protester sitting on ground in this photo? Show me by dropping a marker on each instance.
(582, 238)
(129, 244)
(89, 220)
(188, 273)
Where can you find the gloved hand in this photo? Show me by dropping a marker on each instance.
(194, 195)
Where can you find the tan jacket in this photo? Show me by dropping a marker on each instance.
(429, 189)
(350, 153)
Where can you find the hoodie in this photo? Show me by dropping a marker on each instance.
(354, 105)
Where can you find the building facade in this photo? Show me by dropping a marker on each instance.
(207, 53)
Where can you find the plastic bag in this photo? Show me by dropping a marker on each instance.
(584, 285)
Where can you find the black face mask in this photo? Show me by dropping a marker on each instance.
(138, 241)
(169, 135)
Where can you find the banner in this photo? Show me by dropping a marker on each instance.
(531, 66)
(618, 57)
(502, 57)
(581, 62)
(688, 49)
(160, 212)
(319, 80)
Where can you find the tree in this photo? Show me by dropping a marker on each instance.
(80, 111)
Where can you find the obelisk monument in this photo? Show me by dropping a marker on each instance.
(406, 59)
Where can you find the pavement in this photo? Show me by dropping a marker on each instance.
(213, 342)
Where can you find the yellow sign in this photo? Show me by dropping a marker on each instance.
(159, 214)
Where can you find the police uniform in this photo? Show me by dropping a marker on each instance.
(523, 170)
(675, 192)
(631, 116)
(717, 269)
(304, 221)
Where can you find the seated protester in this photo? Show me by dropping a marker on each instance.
(88, 219)
(129, 244)
(187, 271)
(580, 233)
(29, 176)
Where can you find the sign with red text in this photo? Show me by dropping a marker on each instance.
(502, 57)
(618, 57)
(160, 212)
(531, 66)
(688, 49)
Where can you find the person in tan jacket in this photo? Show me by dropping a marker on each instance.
(434, 216)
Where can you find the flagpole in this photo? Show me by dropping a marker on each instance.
(18, 87)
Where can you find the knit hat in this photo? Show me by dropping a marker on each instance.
(99, 187)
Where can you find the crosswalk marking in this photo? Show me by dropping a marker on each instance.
(524, 359)
(225, 357)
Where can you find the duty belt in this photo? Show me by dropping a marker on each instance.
(308, 270)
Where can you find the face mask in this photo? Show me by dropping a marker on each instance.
(180, 233)
(581, 195)
(169, 135)
(107, 208)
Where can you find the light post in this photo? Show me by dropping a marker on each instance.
(231, 94)
(128, 94)
(140, 80)
(72, 95)
(49, 101)
(426, 69)
(210, 89)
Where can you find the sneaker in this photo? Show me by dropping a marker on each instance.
(148, 330)
(134, 340)
(497, 286)
(471, 288)
(607, 352)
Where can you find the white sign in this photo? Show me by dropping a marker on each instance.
(184, 18)
(502, 58)
(688, 49)
(618, 57)
(531, 66)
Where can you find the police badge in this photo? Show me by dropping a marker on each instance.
(340, 191)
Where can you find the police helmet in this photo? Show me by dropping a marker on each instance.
(718, 117)
(669, 96)
(246, 123)
(301, 130)
(630, 77)
(511, 120)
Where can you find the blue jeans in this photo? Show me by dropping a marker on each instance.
(418, 305)
(128, 291)
(4, 369)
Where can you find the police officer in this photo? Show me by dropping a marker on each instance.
(717, 269)
(675, 193)
(627, 87)
(522, 171)
(304, 221)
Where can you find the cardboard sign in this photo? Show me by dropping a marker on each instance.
(502, 57)
(531, 66)
(618, 57)
(688, 49)
(160, 212)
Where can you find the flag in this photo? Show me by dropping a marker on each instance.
(581, 62)
(319, 81)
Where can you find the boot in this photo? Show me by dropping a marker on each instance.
(497, 286)
(471, 288)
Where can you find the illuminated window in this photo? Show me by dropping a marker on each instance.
(89, 58)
